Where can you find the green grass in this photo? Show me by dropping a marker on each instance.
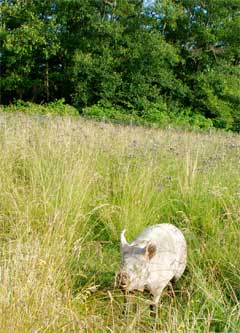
(69, 186)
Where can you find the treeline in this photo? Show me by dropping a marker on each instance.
(143, 58)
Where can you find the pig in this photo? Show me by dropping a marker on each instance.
(155, 258)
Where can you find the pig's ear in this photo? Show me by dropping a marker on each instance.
(151, 250)
(124, 243)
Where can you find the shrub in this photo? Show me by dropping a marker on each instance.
(57, 107)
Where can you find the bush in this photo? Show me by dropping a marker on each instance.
(57, 107)
(190, 118)
(157, 114)
(109, 112)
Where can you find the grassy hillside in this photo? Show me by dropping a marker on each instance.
(68, 187)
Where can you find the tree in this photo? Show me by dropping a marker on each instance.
(137, 56)
(207, 35)
(30, 45)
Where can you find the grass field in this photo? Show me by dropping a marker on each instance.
(69, 186)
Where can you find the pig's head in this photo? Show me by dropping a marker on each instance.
(136, 258)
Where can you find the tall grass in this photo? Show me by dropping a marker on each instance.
(68, 187)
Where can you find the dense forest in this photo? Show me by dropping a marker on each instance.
(147, 58)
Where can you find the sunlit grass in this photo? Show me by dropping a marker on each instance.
(68, 187)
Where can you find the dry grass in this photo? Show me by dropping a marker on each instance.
(69, 186)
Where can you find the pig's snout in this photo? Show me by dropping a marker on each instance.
(122, 280)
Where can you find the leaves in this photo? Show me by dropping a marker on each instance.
(129, 54)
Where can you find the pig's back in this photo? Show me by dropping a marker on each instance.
(171, 245)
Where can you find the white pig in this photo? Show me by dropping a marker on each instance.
(156, 257)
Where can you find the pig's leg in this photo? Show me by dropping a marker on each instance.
(128, 303)
(156, 292)
(155, 302)
(125, 302)
(172, 286)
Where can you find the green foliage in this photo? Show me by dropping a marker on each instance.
(30, 46)
(106, 112)
(57, 107)
(157, 115)
(209, 52)
(193, 119)
(140, 57)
